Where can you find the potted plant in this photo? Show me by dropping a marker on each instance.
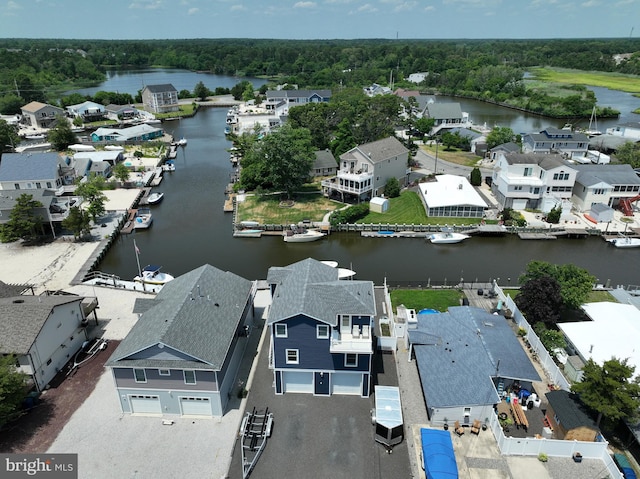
(542, 457)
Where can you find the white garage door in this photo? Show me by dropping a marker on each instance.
(145, 404)
(344, 383)
(195, 406)
(519, 204)
(297, 382)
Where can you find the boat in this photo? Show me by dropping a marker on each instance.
(182, 141)
(332, 264)
(248, 233)
(155, 198)
(447, 236)
(344, 273)
(143, 219)
(169, 165)
(114, 148)
(593, 125)
(625, 242)
(302, 236)
(35, 137)
(152, 121)
(249, 224)
(151, 274)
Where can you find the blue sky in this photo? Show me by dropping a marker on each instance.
(319, 19)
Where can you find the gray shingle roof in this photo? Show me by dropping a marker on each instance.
(164, 87)
(298, 93)
(312, 288)
(458, 352)
(28, 166)
(325, 159)
(443, 111)
(9, 290)
(197, 313)
(377, 151)
(546, 161)
(508, 147)
(8, 198)
(570, 410)
(610, 174)
(22, 318)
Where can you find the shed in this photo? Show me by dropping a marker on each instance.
(379, 205)
(601, 213)
(439, 459)
(568, 417)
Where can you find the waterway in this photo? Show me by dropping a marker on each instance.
(190, 228)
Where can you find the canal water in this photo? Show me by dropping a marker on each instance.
(190, 228)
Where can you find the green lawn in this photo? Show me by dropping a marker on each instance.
(267, 209)
(594, 296)
(438, 299)
(459, 157)
(613, 81)
(408, 209)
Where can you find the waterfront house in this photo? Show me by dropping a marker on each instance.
(364, 170)
(375, 90)
(606, 184)
(465, 357)
(298, 97)
(121, 112)
(321, 330)
(183, 354)
(137, 133)
(27, 171)
(555, 140)
(452, 196)
(44, 332)
(325, 164)
(40, 115)
(569, 417)
(629, 130)
(160, 98)
(88, 111)
(445, 116)
(537, 181)
(506, 148)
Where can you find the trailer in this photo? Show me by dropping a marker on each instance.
(387, 417)
(255, 430)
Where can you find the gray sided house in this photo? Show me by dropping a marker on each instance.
(465, 357)
(325, 164)
(182, 356)
(44, 332)
(364, 170)
(321, 330)
(555, 140)
(33, 171)
(606, 184)
(299, 97)
(160, 98)
(40, 115)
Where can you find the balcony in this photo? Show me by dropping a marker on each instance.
(350, 183)
(358, 341)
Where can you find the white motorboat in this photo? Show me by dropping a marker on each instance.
(249, 224)
(35, 137)
(155, 198)
(169, 165)
(151, 274)
(114, 148)
(302, 236)
(447, 236)
(625, 242)
(248, 233)
(332, 264)
(143, 219)
(182, 141)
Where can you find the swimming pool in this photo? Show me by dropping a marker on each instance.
(428, 311)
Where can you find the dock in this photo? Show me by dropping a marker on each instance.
(129, 224)
(229, 202)
(393, 234)
(536, 236)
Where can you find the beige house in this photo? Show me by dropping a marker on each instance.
(40, 115)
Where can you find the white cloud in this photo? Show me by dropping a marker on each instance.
(430, 8)
(146, 4)
(238, 8)
(405, 6)
(11, 5)
(367, 8)
(193, 10)
(304, 5)
(590, 3)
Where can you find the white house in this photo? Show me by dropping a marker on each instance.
(607, 184)
(88, 111)
(44, 332)
(555, 140)
(418, 77)
(630, 130)
(452, 196)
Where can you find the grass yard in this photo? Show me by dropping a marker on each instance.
(438, 299)
(594, 296)
(267, 209)
(613, 81)
(459, 157)
(186, 109)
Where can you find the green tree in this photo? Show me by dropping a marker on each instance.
(23, 223)
(553, 216)
(61, 135)
(91, 192)
(499, 135)
(239, 88)
(629, 153)
(551, 339)
(200, 91)
(424, 125)
(280, 162)
(475, 178)
(78, 222)
(610, 390)
(11, 104)
(12, 388)
(392, 188)
(9, 138)
(540, 300)
(121, 172)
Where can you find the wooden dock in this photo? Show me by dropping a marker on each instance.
(536, 236)
(129, 224)
(229, 203)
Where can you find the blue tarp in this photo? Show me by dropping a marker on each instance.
(438, 456)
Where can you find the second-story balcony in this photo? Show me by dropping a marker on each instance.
(358, 341)
(347, 182)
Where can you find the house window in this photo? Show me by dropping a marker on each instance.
(16, 186)
(322, 331)
(345, 324)
(189, 377)
(292, 356)
(350, 360)
(517, 188)
(598, 191)
(281, 330)
(38, 185)
(139, 376)
(164, 372)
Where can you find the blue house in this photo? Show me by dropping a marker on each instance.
(321, 330)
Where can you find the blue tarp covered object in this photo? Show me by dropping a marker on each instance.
(438, 456)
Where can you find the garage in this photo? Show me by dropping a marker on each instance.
(143, 404)
(195, 406)
(297, 382)
(345, 383)
(519, 204)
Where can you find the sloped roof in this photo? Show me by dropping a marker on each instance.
(161, 88)
(377, 151)
(325, 159)
(552, 133)
(36, 106)
(544, 160)
(22, 319)
(8, 198)
(28, 166)
(589, 175)
(9, 290)
(313, 289)
(197, 314)
(507, 147)
(458, 352)
(298, 93)
(444, 111)
(571, 412)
